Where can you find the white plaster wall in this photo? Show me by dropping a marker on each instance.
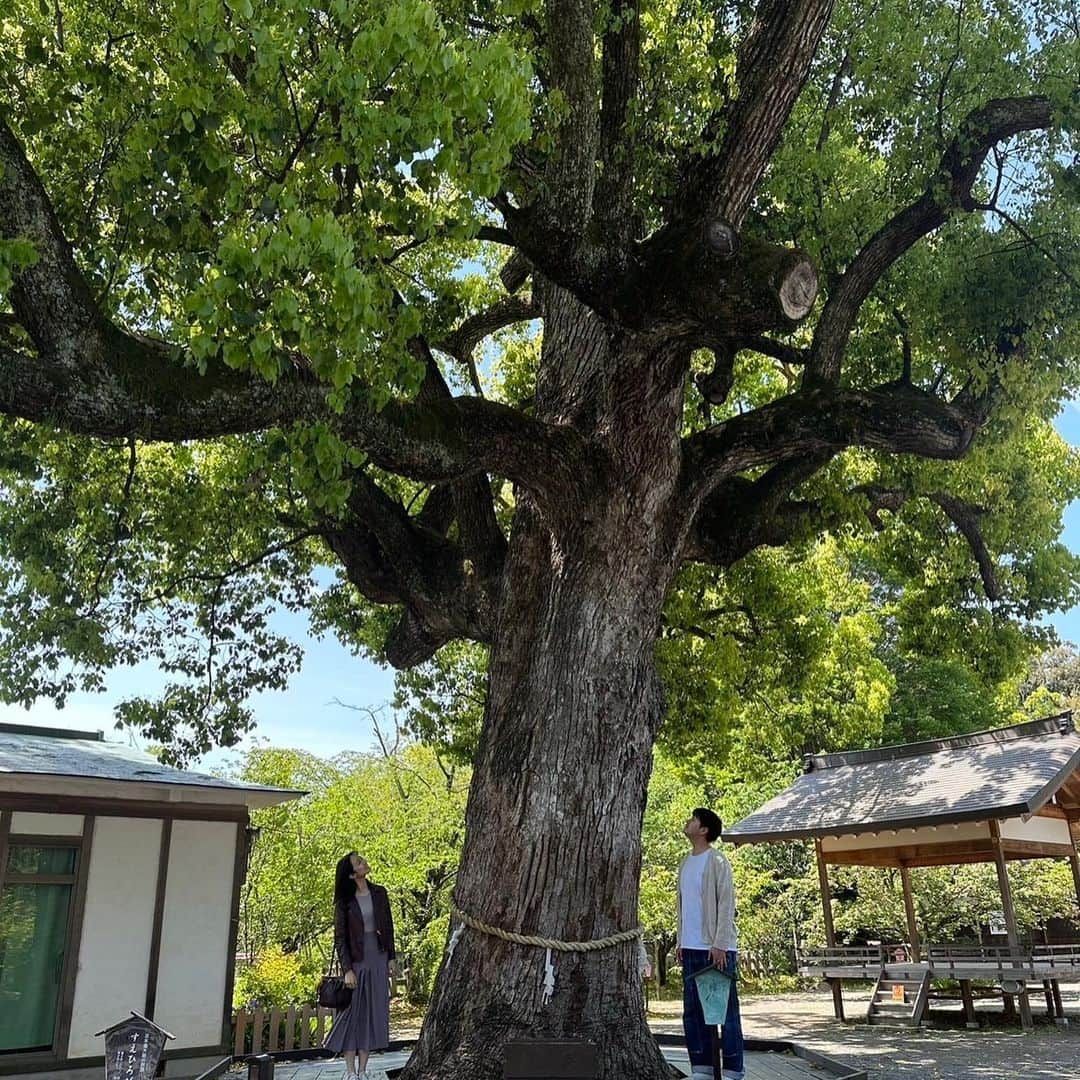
(114, 955)
(941, 834)
(195, 934)
(46, 824)
(1041, 830)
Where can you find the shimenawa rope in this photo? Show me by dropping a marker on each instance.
(549, 944)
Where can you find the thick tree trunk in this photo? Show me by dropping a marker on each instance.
(554, 817)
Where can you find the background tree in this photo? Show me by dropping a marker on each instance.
(1054, 677)
(404, 812)
(250, 258)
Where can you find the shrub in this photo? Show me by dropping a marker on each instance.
(275, 981)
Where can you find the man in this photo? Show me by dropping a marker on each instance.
(707, 936)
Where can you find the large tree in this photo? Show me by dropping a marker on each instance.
(252, 258)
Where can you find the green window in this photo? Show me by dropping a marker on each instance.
(35, 906)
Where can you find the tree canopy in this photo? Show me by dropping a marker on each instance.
(268, 208)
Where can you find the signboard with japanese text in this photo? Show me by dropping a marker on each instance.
(133, 1048)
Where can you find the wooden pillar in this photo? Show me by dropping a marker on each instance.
(909, 909)
(1026, 1020)
(1074, 862)
(969, 1004)
(830, 930)
(1049, 992)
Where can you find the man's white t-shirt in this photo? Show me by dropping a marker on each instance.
(693, 918)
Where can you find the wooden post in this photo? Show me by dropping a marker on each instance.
(1074, 862)
(969, 1004)
(830, 931)
(240, 1024)
(1048, 991)
(717, 1052)
(1059, 1008)
(909, 909)
(1026, 1020)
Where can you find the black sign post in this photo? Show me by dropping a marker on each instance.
(133, 1048)
(550, 1059)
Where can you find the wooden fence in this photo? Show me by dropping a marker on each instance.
(300, 1027)
(761, 966)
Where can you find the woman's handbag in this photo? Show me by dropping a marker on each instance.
(333, 993)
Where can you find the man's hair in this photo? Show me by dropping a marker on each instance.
(713, 825)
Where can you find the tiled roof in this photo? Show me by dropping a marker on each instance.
(61, 754)
(1003, 773)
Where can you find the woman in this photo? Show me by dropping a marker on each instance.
(364, 940)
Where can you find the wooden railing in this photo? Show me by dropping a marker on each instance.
(1045, 961)
(944, 959)
(300, 1027)
(845, 956)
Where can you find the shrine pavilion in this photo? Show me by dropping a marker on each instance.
(994, 796)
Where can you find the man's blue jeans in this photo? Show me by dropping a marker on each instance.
(698, 1033)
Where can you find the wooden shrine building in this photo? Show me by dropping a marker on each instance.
(993, 796)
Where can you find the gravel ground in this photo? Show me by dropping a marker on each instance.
(935, 1053)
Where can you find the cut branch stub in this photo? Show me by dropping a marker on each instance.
(515, 272)
(722, 238)
(797, 290)
(708, 277)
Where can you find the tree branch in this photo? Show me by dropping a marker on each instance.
(515, 272)
(462, 341)
(894, 418)
(743, 514)
(474, 507)
(93, 378)
(962, 514)
(619, 73)
(571, 170)
(786, 354)
(772, 65)
(700, 277)
(392, 558)
(948, 191)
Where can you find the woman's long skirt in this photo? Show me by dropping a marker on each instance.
(365, 1024)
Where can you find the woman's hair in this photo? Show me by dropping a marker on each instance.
(344, 886)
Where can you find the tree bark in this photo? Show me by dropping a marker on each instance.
(559, 784)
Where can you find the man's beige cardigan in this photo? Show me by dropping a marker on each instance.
(717, 904)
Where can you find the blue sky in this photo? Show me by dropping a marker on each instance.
(305, 715)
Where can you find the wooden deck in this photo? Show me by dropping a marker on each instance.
(759, 1066)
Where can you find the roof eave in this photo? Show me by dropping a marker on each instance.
(165, 791)
(996, 813)
(1037, 802)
